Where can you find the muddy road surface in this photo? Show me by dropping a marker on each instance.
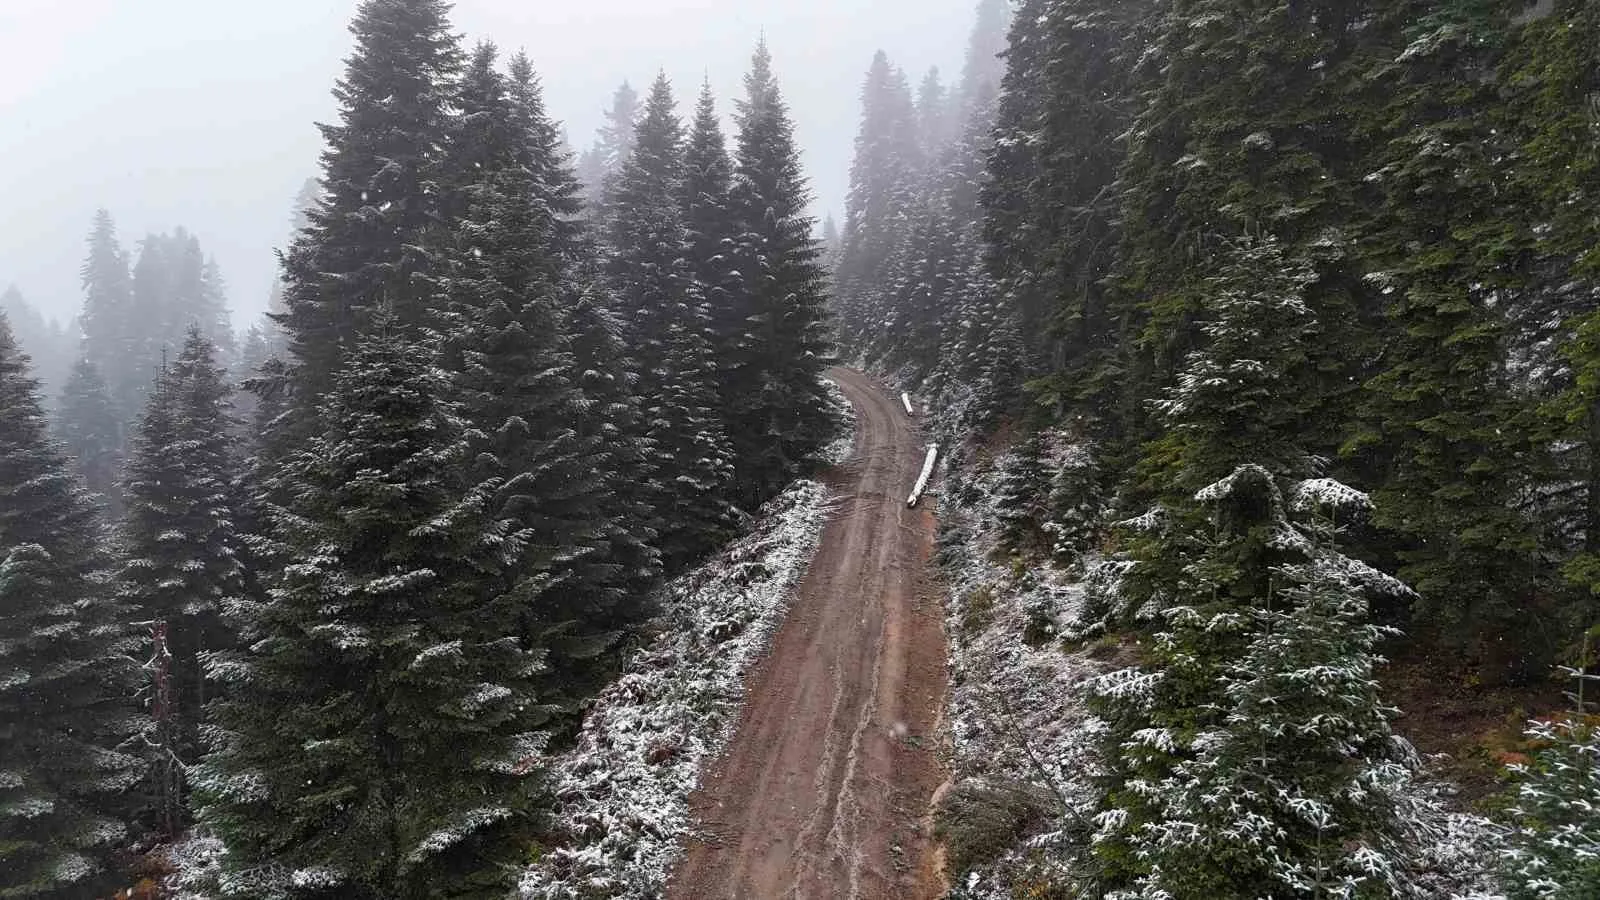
(823, 793)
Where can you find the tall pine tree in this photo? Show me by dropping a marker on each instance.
(67, 667)
(369, 242)
(91, 431)
(707, 194)
(779, 417)
(506, 342)
(380, 728)
(600, 165)
(882, 187)
(182, 552)
(656, 294)
(109, 321)
(558, 190)
(1439, 418)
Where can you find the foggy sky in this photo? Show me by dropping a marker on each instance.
(199, 112)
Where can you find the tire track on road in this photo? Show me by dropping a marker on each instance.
(822, 793)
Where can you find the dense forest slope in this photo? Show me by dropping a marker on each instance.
(1286, 312)
(1263, 336)
(493, 411)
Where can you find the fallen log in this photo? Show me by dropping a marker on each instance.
(922, 480)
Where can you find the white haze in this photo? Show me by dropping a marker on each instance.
(199, 112)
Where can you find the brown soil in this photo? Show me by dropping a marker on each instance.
(1479, 727)
(824, 791)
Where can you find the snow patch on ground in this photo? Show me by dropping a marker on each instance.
(844, 412)
(1458, 853)
(1016, 710)
(623, 790)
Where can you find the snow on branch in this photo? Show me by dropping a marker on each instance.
(470, 823)
(1330, 494)
(1228, 486)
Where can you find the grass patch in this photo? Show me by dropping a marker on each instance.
(977, 610)
(980, 819)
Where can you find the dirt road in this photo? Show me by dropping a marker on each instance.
(824, 791)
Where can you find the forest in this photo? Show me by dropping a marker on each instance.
(1290, 311)
(1262, 338)
(485, 420)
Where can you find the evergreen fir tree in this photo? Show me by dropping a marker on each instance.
(979, 348)
(1286, 775)
(1550, 68)
(604, 161)
(175, 287)
(91, 432)
(508, 348)
(1238, 398)
(483, 131)
(67, 673)
(1444, 427)
(656, 294)
(559, 191)
(923, 276)
(1051, 198)
(882, 179)
(366, 244)
(1019, 497)
(1074, 505)
(936, 119)
(707, 198)
(1232, 768)
(277, 305)
(1249, 597)
(254, 351)
(379, 731)
(181, 547)
(985, 66)
(779, 417)
(156, 271)
(832, 243)
(109, 319)
(607, 418)
(614, 586)
(195, 296)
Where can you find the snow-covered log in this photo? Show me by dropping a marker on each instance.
(906, 399)
(922, 480)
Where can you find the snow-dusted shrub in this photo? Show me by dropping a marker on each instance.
(1554, 838)
(980, 819)
(1255, 751)
(1073, 523)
